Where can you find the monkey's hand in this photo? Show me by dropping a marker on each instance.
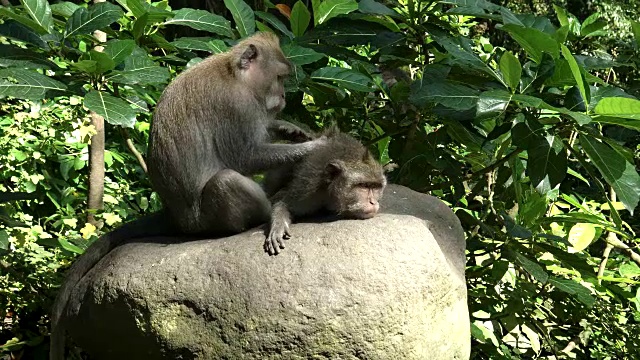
(279, 232)
(285, 130)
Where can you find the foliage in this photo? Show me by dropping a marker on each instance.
(527, 135)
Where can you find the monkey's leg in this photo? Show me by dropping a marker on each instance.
(279, 229)
(232, 203)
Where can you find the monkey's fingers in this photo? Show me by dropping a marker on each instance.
(286, 235)
(269, 247)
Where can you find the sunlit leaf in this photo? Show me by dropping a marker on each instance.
(300, 55)
(201, 20)
(40, 12)
(242, 16)
(346, 78)
(300, 18)
(620, 174)
(98, 16)
(114, 110)
(511, 70)
(619, 107)
(332, 8)
(28, 84)
(533, 41)
(582, 235)
(578, 75)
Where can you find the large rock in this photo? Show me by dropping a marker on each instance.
(391, 287)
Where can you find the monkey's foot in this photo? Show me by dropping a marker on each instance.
(274, 241)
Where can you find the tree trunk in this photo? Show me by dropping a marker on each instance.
(96, 154)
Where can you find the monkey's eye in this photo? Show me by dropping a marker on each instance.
(369, 185)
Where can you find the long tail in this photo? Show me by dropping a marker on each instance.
(151, 225)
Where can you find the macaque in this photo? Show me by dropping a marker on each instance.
(212, 128)
(341, 176)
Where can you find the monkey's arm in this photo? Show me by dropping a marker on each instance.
(288, 204)
(269, 156)
(284, 130)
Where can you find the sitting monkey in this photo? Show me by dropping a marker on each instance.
(341, 177)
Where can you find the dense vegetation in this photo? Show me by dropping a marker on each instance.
(526, 124)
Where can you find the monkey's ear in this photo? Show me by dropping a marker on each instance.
(335, 168)
(248, 56)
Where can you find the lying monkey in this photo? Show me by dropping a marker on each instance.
(341, 177)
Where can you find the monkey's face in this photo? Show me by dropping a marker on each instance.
(355, 191)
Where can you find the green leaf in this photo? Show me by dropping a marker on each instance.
(449, 94)
(547, 165)
(629, 270)
(621, 107)
(218, 46)
(243, 16)
(578, 75)
(300, 18)
(114, 110)
(28, 84)
(96, 62)
(533, 41)
(562, 15)
(119, 50)
(40, 12)
(15, 30)
(191, 43)
(492, 103)
(331, 8)
(582, 235)
(300, 55)
(64, 9)
(98, 16)
(635, 28)
(141, 70)
(571, 287)
(631, 124)
(374, 7)
(511, 70)
(201, 20)
(26, 21)
(69, 246)
(346, 78)
(4, 240)
(532, 267)
(620, 174)
(591, 26)
(275, 22)
(151, 14)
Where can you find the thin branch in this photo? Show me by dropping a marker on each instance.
(133, 150)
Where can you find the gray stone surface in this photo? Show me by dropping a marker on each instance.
(391, 287)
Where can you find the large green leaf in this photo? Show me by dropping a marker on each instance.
(631, 124)
(620, 174)
(619, 107)
(190, 43)
(119, 50)
(27, 84)
(243, 16)
(24, 20)
(64, 9)
(451, 95)
(115, 111)
(15, 30)
(492, 103)
(332, 8)
(532, 267)
(578, 75)
(592, 27)
(95, 62)
(571, 287)
(300, 18)
(511, 70)
(40, 12)
(140, 70)
(582, 235)
(152, 14)
(300, 55)
(98, 16)
(464, 57)
(374, 7)
(533, 41)
(346, 78)
(201, 20)
(547, 165)
(274, 22)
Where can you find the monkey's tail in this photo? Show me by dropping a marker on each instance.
(155, 224)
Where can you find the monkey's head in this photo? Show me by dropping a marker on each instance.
(355, 184)
(263, 68)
